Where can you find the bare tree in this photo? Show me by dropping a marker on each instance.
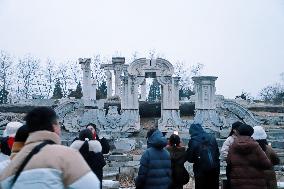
(5, 69)
(282, 77)
(181, 70)
(134, 56)
(75, 71)
(5, 75)
(28, 68)
(63, 74)
(98, 73)
(49, 75)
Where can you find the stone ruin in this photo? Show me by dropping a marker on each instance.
(123, 128)
(212, 111)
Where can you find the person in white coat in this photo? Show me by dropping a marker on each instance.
(45, 164)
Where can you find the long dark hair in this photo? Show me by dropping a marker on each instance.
(174, 140)
(235, 126)
(262, 143)
(85, 135)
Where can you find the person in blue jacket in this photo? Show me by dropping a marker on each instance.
(155, 164)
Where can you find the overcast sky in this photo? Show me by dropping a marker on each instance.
(240, 41)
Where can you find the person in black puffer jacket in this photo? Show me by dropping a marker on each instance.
(91, 150)
(155, 164)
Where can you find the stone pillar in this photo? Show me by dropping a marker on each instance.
(117, 74)
(143, 91)
(87, 80)
(176, 92)
(170, 116)
(205, 89)
(93, 92)
(205, 105)
(109, 83)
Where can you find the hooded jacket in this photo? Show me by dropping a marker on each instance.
(270, 175)
(54, 167)
(155, 164)
(199, 136)
(247, 162)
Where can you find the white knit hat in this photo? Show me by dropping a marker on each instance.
(259, 133)
(12, 128)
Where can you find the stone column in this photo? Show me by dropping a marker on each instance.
(109, 83)
(143, 91)
(117, 74)
(85, 65)
(205, 105)
(176, 92)
(93, 92)
(205, 92)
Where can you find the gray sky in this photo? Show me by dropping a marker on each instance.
(240, 41)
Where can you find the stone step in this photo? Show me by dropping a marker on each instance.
(110, 184)
(274, 143)
(112, 175)
(120, 158)
(136, 157)
(276, 135)
(110, 169)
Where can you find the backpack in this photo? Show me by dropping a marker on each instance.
(208, 157)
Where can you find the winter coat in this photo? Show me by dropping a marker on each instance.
(93, 155)
(17, 146)
(53, 167)
(155, 164)
(270, 175)
(226, 145)
(103, 141)
(199, 136)
(178, 158)
(247, 163)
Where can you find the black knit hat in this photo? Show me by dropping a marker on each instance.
(245, 130)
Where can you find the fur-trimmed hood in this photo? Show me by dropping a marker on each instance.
(94, 145)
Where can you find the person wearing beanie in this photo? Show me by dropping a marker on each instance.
(260, 136)
(247, 161)
(19, 142)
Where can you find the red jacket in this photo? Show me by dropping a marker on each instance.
(247, 162)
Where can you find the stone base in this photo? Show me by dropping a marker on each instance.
(208, 119)
(171, 121)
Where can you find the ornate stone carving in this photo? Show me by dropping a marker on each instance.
(160, 66)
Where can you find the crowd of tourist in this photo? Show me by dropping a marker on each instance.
(32, 157)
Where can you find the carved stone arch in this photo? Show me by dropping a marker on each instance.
(160, 66)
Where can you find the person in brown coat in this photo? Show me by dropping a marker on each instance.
(260, 136)
(247, 161)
